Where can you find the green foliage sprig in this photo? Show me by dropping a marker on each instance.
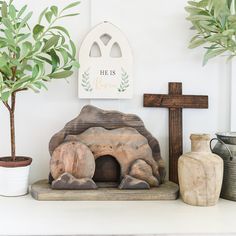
(215, 24)
(86, 81)
(31, 57)
(124, 81)
(24, 52)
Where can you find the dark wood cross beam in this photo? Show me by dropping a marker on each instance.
(175, 101)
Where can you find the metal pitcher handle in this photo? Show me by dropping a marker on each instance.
(219, 140)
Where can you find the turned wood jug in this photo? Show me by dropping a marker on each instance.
(200, 173)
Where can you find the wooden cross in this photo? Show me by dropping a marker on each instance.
(175, 101)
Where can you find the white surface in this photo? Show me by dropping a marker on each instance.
(14, 181)
(158, 34)
(32, 217)
(233, 96)
(102, 74)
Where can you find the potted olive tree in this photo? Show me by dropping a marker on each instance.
(29, 58)
(214, 22)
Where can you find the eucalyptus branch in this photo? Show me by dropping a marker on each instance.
(14, 69)
(13, 102)
(214, 26)
(7, 106)
(20, 68)
(4, 74)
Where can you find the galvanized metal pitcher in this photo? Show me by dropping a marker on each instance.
(226, 148)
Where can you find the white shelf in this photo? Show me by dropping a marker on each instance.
(26, 216)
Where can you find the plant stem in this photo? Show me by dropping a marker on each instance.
(12, 126)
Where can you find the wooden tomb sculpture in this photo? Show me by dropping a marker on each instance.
(105, 147)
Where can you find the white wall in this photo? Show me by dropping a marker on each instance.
(159, 35)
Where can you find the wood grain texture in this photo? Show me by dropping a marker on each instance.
(74, 158)
(42, 191)
(175, 101)
(175, 133)
(68, 182)
(126, 145)
(130, 182)
(91, 116)
(200, 173)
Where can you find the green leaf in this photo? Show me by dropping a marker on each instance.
(54, 10)
(42, 15)
(9, 36)
(60, 28)
(48, 16)
(51, 42)
(12, 11)
(229, 3)
(15, 62)
(40, 85)
(64, 54)
(21, 12)
(228, 32)
(61, 75)
(205, 25)
(73, 48)
(55, 60)
(28, 67)
(4, 9)
(25, 20)
(203, 3)
(212, 53)
(37, 46)
(71, 6)
(195, 11)
(45, 59)
(32, 88)
(199, 18)
(23, 37)
(23, 80)
(192, 3)
(214, 37)
(3, 61)
(35, 71)
(38, 29)
(67, 68)
(220, 8)
(6, 70)
(76, 64)
(26, 48)
(232, 18)
(5, 96)
(69, 15)
(8, 23)
(1, 78)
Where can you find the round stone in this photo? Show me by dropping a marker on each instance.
(74, 158)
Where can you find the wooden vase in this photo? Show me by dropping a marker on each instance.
(200, 173)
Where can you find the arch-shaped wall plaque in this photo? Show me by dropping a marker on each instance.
(106, 64)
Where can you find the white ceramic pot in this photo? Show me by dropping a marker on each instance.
(14, 181)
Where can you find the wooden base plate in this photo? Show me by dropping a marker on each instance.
(42, 191)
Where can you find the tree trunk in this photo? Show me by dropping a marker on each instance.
(12, 127)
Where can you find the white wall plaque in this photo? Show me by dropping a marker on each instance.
(106, 64)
